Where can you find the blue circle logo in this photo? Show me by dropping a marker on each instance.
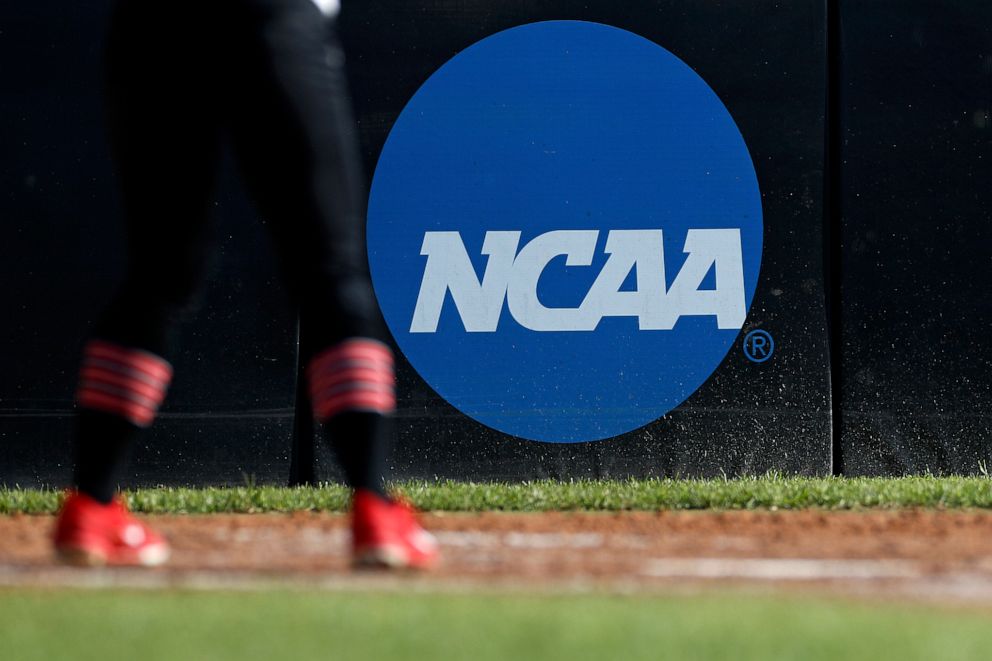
(565, 231)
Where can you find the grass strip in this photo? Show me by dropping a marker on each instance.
(104, 626)
(764, 492)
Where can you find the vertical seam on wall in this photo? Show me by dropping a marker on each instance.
(302, 464)
(832, 229)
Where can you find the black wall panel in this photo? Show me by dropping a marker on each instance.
(916, 239)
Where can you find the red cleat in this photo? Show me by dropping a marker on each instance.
(386, 534)
(91, 534)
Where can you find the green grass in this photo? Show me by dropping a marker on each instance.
(766, 492)
(391, 627)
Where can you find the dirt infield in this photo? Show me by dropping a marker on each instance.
(918, 554)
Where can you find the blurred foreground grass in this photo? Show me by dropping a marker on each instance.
(40, 624)
(765, 492)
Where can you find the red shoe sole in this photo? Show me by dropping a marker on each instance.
(388, 556)
(76, 556)
(80, 557)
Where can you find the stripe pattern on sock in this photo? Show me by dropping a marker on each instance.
(123, 381)
(355, 375)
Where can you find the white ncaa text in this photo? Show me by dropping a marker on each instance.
(512, 276)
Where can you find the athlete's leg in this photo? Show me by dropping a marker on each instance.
(164, 140)
(296, 142)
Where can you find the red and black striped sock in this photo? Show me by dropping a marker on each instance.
(120, 391)
(352, 388)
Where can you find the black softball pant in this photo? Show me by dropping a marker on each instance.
(267, 74)
(182, 77)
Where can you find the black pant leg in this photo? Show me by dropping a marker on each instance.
(161, 99)
(164, 136)
(297, 145)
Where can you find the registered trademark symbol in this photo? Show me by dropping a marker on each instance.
(759, 346)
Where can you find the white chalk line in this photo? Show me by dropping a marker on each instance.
(520, 540)
(253, 581)
(313, 539)
(782, 569)
(857, 578)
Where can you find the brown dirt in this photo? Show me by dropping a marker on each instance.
(929, 554)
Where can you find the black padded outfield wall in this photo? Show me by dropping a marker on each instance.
(915, 99)
(728, 377)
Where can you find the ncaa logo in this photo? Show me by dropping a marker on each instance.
(565, 231)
